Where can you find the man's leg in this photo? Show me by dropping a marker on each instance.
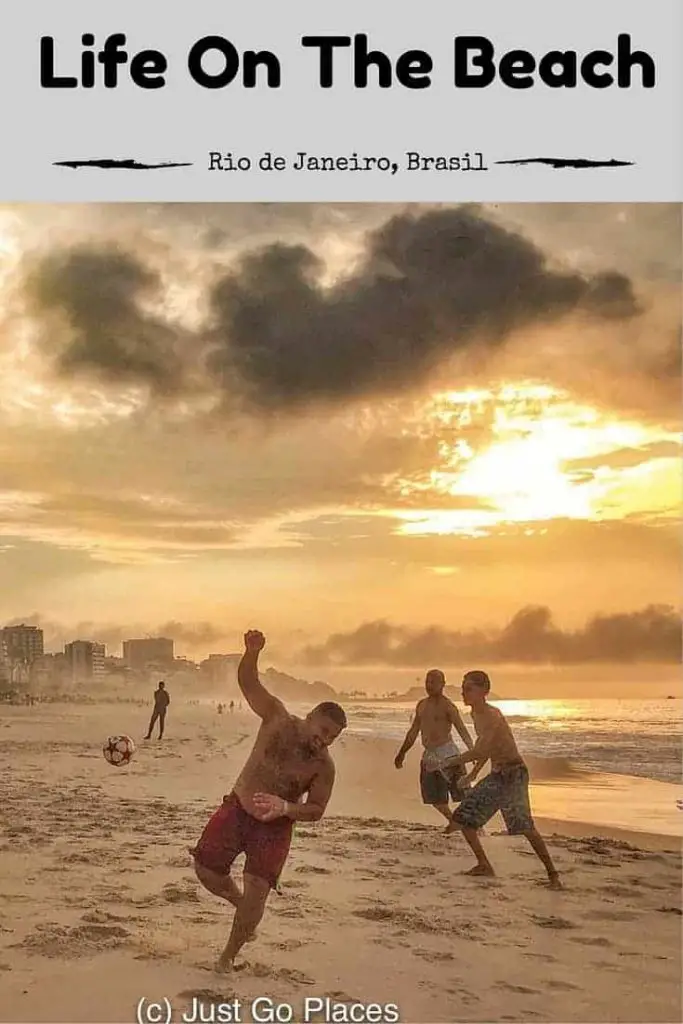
(476, 808)
(223, 886)
(162, 720)
(483, 866)
(537, 844)
(516, 811)
(247, 918)
(152, 723)
(434, 792)
(443, 809)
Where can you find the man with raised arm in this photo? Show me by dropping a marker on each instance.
(289, 760)
(435, 717)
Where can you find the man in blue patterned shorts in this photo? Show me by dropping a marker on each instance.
(505, 789)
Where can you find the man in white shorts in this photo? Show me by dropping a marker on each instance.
(435, 717)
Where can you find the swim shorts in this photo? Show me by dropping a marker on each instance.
(231, 831)
(436, 787)
(505, 790)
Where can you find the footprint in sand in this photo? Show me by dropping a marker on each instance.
(605, 965)
(288, 946)
(292, 977)
(288, 911)
(615, 889)
(546, 957)
(559, 923)
(591, 940)
(105, 917)
(610, 915)
(341, 997)
(434, 956)
(523, 990)
(206, 995)
(83, 940)
(561, 986)
(180, 893)
(312, 869)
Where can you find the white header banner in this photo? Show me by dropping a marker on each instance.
(307, 101)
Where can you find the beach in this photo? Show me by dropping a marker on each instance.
(100, 908)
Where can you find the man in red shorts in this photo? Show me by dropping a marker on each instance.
(289, 760)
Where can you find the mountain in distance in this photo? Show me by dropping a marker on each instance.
(289, 688)
(416, 693)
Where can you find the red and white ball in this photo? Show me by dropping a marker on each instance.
(118, 750)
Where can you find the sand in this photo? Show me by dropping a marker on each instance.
(99, 907)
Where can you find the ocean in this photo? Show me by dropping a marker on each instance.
(618, 737)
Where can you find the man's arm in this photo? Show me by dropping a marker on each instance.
(460, 727)
(475, 771)
(481, 751)
(261, 702)
(269, 807)
(318, 797)
(411, 736)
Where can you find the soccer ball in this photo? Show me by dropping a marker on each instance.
(118, 750)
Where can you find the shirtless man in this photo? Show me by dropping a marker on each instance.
(435, 716)
(505, 789)
(289, 759)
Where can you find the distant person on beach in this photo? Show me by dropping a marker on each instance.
(505, 788)
(435, 716)
(289, 759)
(232, 706)
(161, 702)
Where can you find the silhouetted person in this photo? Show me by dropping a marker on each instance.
(161, 702)
(232, 706)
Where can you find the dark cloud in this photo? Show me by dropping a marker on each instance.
(651, 634)
(92, 305)
(427, 286)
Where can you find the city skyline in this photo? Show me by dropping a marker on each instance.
(376, 432)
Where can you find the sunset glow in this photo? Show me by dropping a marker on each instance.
(525, 473)
(301, 420)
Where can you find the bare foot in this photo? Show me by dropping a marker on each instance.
(554, 881)
(224, 965)
(480, 871)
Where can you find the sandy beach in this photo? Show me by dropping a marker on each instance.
(100, 909)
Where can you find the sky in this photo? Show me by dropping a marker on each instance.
(389, 436)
